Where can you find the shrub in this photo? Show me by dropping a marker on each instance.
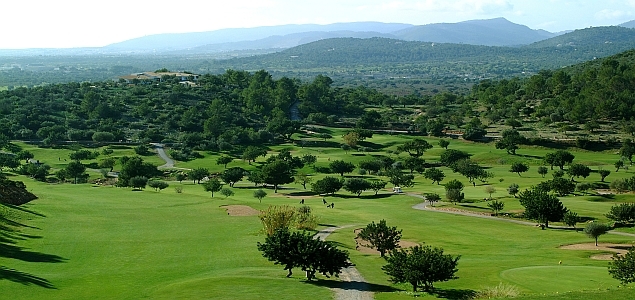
(500, 291)
(178, 189)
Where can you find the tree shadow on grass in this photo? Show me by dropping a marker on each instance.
(378, 196)
(353, 285)
(16, 252)
(454, 294)
(24, 278)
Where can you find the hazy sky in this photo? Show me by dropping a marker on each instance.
(87, 23)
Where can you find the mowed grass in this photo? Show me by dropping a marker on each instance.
(116, 243)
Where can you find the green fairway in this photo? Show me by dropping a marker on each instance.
(107, 242)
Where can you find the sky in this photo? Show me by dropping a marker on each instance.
(96, 23)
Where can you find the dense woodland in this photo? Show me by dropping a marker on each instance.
(240, 108)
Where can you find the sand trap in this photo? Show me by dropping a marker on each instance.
(616, 248)
(240, 210)
(363, 246)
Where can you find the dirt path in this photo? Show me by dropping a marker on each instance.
(424, 206)
(169, 163)
(353, 285)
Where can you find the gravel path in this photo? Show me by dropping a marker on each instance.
(353, 286)
(424, 206)
(169, 163)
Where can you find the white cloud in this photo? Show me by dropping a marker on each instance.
(610, 14)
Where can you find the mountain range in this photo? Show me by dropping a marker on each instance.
(491, 32)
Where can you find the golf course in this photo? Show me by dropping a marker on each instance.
(97, 241)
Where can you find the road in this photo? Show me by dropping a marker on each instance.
(353, 286)
(169, 163)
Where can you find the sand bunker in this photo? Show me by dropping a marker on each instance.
(363, 246)
(240, 210)
(620, 249)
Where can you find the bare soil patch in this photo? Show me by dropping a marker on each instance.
(620, 249)
(364, 247)
(240, 210)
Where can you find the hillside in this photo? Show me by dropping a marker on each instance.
(180, 41)
(393, 57)
(494, 32)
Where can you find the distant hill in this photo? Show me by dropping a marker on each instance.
(493, 32)
(407, 58)
(629, 24)
(178, 41)
(598, 37)
(284, 41)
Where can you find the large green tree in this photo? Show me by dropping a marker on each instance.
(381, 236)
(542, 206)
(421, 266)
(277, 172)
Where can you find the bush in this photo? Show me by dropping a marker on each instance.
(227, 192)
(622, 213)
(178, 189)
(500, 291)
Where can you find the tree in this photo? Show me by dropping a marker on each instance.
(224, 160)
(622, 213)
(490, 190)
(25, 155)
(180, 177)
(397, 178)
(370, 165)
(432, 198)
(377, 185)
(510, 140)
(198, 174)
(158, 185)
(381, 237)
(622, 267)
(542, 170)
(301, 250)
(470, 170)
(346, 148)
(341, 167)
(434, 174)
(627, 150)
(138, 182)
(232, 175)
(75, 170)
(259, 194)
(421, 265)
(541, 206)
(571, 218)
(252, 152)
(579, 170)
(561, 186)
(443, 143)
(474, 130)
(142, 150)
(309, 159)
(453, 191)
(603, 173)
(327, 185)
(513, 189)
(227, 192)
(351, 139)
(107, 163)
(595, 229)
(414, 163)
(618, 165)
(303, 179)
(559, 158)
(583, 187)
(212, 185)
(101, 137)
(83, 155)
(519, 167)
(356, 185)
(277, 172)
(496, 206)
(415, 147)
